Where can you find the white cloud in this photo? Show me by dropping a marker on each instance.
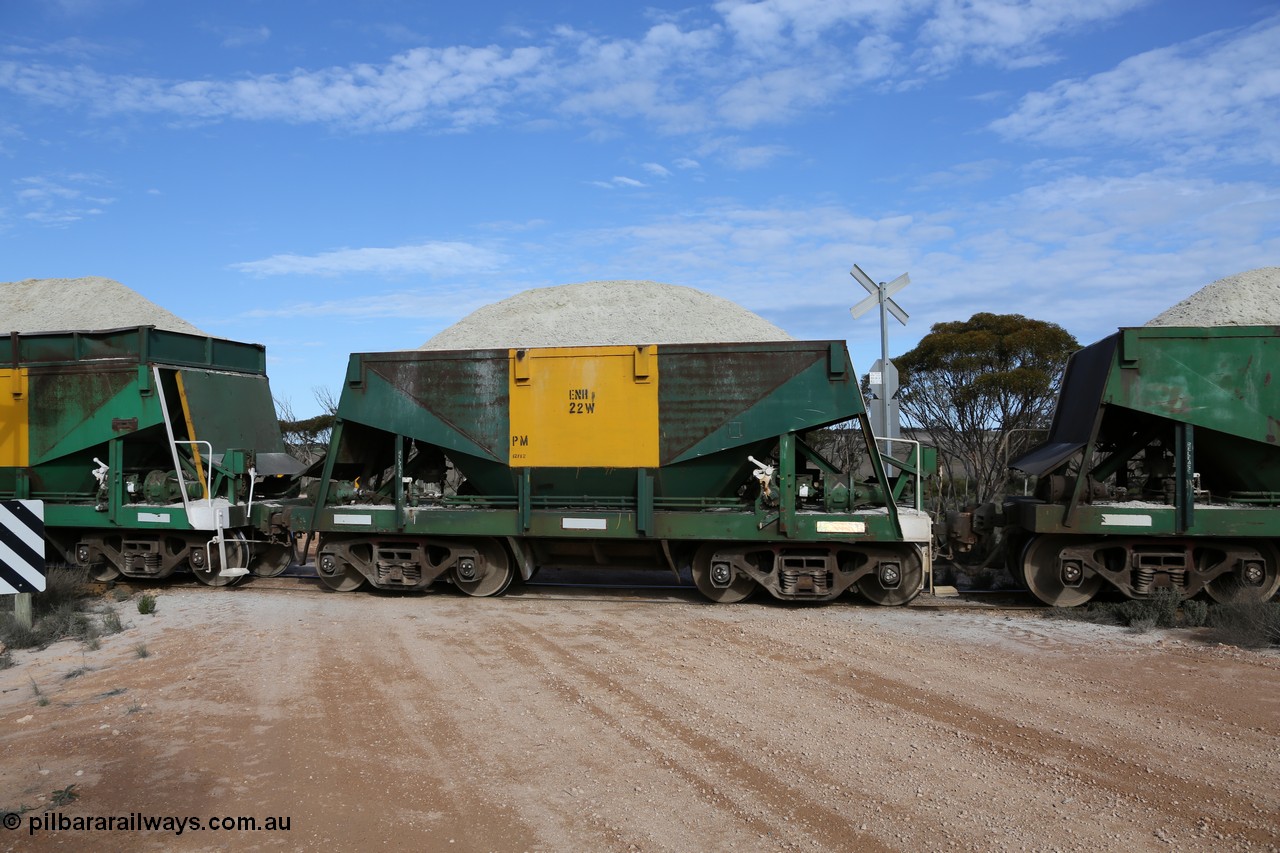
(419, 314)
(1090, 253)
(1096, 252)
(618, 181)
(776, 96)
(961, 174)
(71, 47)
(509, 226)
(405, 305)
(434, 258)
(755, 156)
(750, 63)
(772, 25)
(60, 199)
(84, 8)
(658, 77)
(1211, 98)
(449, 87)
(736, 155)
(656, 169)
(1007, 33)
(243, 36)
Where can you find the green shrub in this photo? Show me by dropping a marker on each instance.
(1163, 606)
(16, 636)
(64, 796)
(111, 623)
(1159, 610)
(1195, 613)
(57, 613)
(147, 604)
(66, 620)
(1099, 613)
(1251, 624)
(62, 586)
(1108, 613)
(1141, 624)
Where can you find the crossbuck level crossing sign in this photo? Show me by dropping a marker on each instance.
(21, 547)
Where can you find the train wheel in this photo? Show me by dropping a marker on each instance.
(237, 553)
(79, 554)
(740, 586)
(338, 575)
(1043, 575)
(104, 572)
(492, 578)
(1258, 584)
(270, 560)
(891, 586)
(1014, 544)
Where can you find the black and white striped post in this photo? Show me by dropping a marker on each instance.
(22, 568)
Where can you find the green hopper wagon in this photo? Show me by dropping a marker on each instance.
(473, 466)
(149, 449)
(1161, 470)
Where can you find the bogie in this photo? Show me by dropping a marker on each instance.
(477, 566)
(1067, 571)
(728, 572)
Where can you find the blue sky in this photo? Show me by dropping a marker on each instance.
(327, 177)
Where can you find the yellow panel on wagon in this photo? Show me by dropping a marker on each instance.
(584, 407)
(14, 424)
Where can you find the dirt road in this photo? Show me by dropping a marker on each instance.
(596, 721)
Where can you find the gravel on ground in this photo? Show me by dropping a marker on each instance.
(590, 720)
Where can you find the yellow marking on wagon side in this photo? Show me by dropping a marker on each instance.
(15, 424)
(584, 407)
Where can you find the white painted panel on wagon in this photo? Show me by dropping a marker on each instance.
(842, 527)
(1110, 519)
(584, 524)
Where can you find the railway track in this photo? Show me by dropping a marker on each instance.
(553, 585)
